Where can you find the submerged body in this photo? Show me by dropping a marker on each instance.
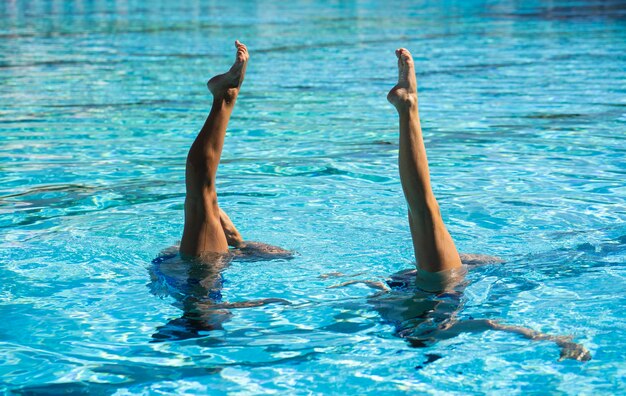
(423, 317)
(196, 286)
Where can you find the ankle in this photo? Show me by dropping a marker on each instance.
(406, 103)
(226, 97)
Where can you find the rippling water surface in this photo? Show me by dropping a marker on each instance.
(524, 112)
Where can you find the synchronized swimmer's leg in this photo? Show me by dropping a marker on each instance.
(204, 231)
(434, 249)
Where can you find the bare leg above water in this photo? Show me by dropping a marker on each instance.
(208, 229)
(434, 248)
(203, 232)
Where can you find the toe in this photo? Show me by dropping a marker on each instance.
(406, 55)
(242, 51)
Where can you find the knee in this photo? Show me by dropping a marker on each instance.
(209, 197)
(203, 205)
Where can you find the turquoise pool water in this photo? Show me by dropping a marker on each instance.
(524, 111)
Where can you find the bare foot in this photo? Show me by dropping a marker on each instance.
(226, 86)
(572, 350)
(404, 94)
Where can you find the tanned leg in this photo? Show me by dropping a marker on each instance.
(434, 248)
(233, 237)
(203, 232)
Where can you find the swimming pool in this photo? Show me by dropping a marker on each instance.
(524, 115)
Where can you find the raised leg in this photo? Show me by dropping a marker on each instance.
(434, 248)
(203, 232)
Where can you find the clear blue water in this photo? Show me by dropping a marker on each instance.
(524, 111)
